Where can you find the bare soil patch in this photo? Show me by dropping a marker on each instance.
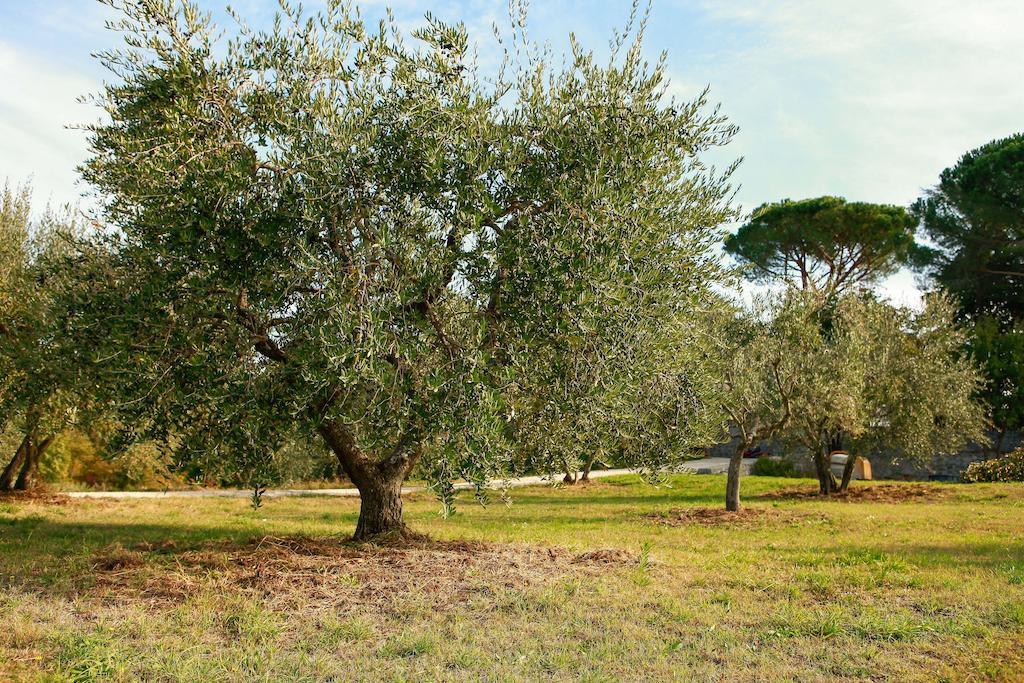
(39, 496)
(874, 493)
(746, 517)
(587, 487)
(296, 571)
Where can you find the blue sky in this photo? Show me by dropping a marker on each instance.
(867, 99)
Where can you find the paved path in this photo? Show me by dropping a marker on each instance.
(704, 466)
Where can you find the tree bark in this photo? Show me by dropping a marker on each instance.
(851, 462)
(570, 475)
(27, 478)
(732, 483)
(380, 510)
(588, 465)
(823, 466)
(10, 473)
(379, 483)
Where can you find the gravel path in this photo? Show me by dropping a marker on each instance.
(704, 466)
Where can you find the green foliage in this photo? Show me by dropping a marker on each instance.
(883, 378)
(40, 376)
(1009, 467)
(321, 228)
(55, 465)
(919, 387)
(762, 362)
(774, 467)
(75, 456)
(1000, 353)
(826, 244)
(975, 216)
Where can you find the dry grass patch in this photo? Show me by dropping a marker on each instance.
(116, 558)
(288, 572)
(38, 496)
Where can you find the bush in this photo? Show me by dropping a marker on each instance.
(1010, 467)
(774, 467)
(76, 457)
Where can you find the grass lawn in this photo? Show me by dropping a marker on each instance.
(613, 581)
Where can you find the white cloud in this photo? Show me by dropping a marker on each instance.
(37, 103)
(868, 99)
(897, 89)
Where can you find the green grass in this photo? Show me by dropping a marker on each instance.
(928, 590)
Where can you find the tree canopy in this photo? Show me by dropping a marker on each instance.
(325, 227)
(762, 368)
(884, 379)
(825, 244)
(975, 218)
(38, 372)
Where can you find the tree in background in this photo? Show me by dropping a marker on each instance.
(762, 368)
(975, 218)
(1000, 353)
(320, 227)
(883, 378)
(37, 381)
(637, 396)
(826, 245)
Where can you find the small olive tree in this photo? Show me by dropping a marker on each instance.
(762, 370)
(37, 381)
(906, 387)
(322, 226)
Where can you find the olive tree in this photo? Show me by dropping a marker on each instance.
(905, 386)
(762, 370)
(37, 381)
(325, 226)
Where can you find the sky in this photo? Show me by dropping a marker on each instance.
(864, 99)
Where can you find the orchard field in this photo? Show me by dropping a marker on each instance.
(614, 580)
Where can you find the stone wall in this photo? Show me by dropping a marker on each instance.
(939, 468)
(887, 465)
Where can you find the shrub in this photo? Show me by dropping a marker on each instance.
(1010, 467)
(76, 457)
(774, 467)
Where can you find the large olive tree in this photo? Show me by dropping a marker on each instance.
(326, 226)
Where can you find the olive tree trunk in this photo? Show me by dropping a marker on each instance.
(588, 465)
(379, 483)
(732, 482)
(570, 474)
(10, 473)
(20, 473)
(823, 466)
(380, 510)
(27, 478)
(851, 462)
